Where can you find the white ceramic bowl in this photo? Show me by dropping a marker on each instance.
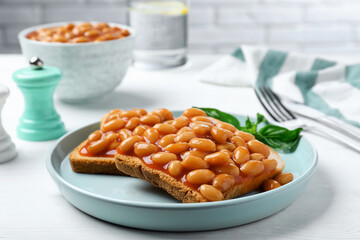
(90, 70)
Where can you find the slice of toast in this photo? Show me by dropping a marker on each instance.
(96, 165)
(102, 162)
(135, 167)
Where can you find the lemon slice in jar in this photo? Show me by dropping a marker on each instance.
(157, 7)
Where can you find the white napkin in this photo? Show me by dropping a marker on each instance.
(328, 86)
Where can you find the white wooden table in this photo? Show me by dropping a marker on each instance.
(32, 207)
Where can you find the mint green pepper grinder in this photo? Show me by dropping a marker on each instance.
(40, 121)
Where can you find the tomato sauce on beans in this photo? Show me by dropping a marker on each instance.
(210, 161)
(81, 33)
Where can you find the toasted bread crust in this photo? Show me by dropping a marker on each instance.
(97, 165)
(135, 167)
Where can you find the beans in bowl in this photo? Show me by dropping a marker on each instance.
(81, 33)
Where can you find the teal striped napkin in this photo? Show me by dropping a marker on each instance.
(331, 87)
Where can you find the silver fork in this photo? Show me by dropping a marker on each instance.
(279, 113)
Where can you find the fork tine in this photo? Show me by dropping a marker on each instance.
(272, 105)
(286, 112)
(267, 106)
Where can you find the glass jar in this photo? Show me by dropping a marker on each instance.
(161, 28)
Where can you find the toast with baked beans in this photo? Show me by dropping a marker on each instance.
(95, 155)
(92, 164)
(197, 158)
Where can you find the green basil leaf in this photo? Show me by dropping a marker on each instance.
(222, 116)
(276, 137)
(281, 145)
(277, 132)
(260, 119)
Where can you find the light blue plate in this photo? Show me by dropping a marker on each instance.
(135, 203)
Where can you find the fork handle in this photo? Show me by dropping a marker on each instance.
(341, 126)
(334, 136)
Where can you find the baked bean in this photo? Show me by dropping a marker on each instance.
(202, 119)
(159, 115)
(169, 122)
(113, 117)
(177, 148)
(100, 39)
(211, 193)
(219, 135)
(128, 144)
(166, 140)
(163, 157)
(252, 167)
(284, 178)
(257, 156)
(112, 136)
(175, 168)
(95, 136)
(92, 33)
(106, 30)
(238, 141)
(140, 111)
(80, 40)
(69, 26)
(227, 152)
(270, 164)
(203, 144)
(200, 176)
(102, 25)
(68, 36)
(241, 155)
(124, 134)
(59, 38)
(229, 134)
(181, 122)
(165, 128)
(115, 111)
(193, 112)
(201, 129)
(113, 125)
(195, 153)
(192, 163)
(226, 126)
(113, 145)
(192, 124)
(86, 25)
(218, 158)
(185, 136)
(227, 146)
(61, 30)
(130, 114)
(98, 146)
(139, 130)
(223, 182)
(152, 135)
(103, 121)
(184, 129)
(166, 114)
(108, 36)
(229, 168)
(270, 184)
(244, 135)
(143, 149)
(78, 31)
(150, 120)
(132, 123)
(256, 146)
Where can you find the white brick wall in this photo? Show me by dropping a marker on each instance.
(215, 26)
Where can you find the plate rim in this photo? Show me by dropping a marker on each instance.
(235, 201)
